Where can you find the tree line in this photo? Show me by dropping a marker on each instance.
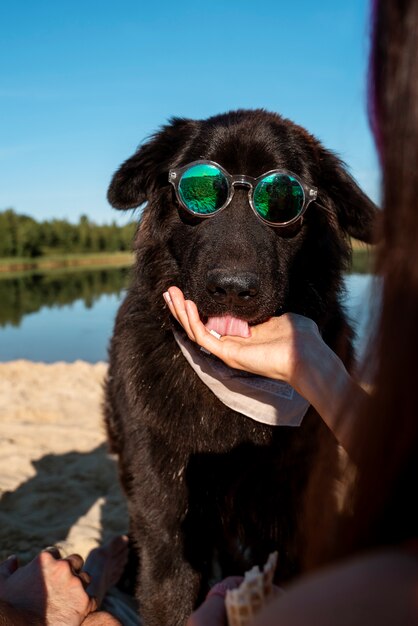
(24, 236)
(28, 293)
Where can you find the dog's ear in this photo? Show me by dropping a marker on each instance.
(147, 169)
(356, 213)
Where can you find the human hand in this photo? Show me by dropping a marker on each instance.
(212, 611)
(288, 348)
(48, 587)
(282, 348)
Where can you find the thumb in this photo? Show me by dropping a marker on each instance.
(8, 567)
(212, 612)
(92, 605)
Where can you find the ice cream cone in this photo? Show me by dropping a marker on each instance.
(243, 603)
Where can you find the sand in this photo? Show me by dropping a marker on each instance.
(58, 484)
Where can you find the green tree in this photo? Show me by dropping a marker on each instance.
(21, 235)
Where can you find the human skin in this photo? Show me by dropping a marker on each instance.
(212, 612)
(47, 589)
(377, 588)
(51, 591)
(288, 348)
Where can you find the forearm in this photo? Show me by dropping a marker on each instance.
(326, 384)
(288, 348)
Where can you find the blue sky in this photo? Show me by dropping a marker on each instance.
(82, 83)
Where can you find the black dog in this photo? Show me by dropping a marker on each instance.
(210, 491)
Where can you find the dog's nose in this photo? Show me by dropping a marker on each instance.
(232, 287)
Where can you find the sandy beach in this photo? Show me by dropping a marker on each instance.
(58, 484)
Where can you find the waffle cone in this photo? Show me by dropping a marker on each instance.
(243, 603)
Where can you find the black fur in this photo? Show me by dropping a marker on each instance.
(212, 492)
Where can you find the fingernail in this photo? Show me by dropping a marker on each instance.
(166, 297)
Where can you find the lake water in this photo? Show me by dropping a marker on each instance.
(60, 315)
(65, 316)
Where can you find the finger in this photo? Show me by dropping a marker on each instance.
(76, 562)
(176, 300)
(85, 578)
(193, 317)
(177, 308)
(53, 551)
(173, 298)
(175, 295)
(93, 605)
(167, 299)
(174, 308)
(203, 334)
(199, 330)
(219, 347)
(211, 611)
(220, 589)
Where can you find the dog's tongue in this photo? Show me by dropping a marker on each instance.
(228, 325)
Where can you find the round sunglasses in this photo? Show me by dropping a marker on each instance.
(278, 197)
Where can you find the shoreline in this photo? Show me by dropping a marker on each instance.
(363, 259)
(65, 261)
(362, 262)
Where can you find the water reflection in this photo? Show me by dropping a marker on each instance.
(362, 306)
(28, 293)
(69, 315)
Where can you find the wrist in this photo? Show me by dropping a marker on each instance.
(324, 381)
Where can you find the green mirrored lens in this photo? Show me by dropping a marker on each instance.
(203, 188)
(278, 198)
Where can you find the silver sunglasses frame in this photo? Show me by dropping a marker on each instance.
(309, 193)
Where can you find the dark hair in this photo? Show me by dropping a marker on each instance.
(383, 507)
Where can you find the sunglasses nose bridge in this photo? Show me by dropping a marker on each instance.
(242, 181)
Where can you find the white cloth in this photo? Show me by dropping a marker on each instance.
(262, 399)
